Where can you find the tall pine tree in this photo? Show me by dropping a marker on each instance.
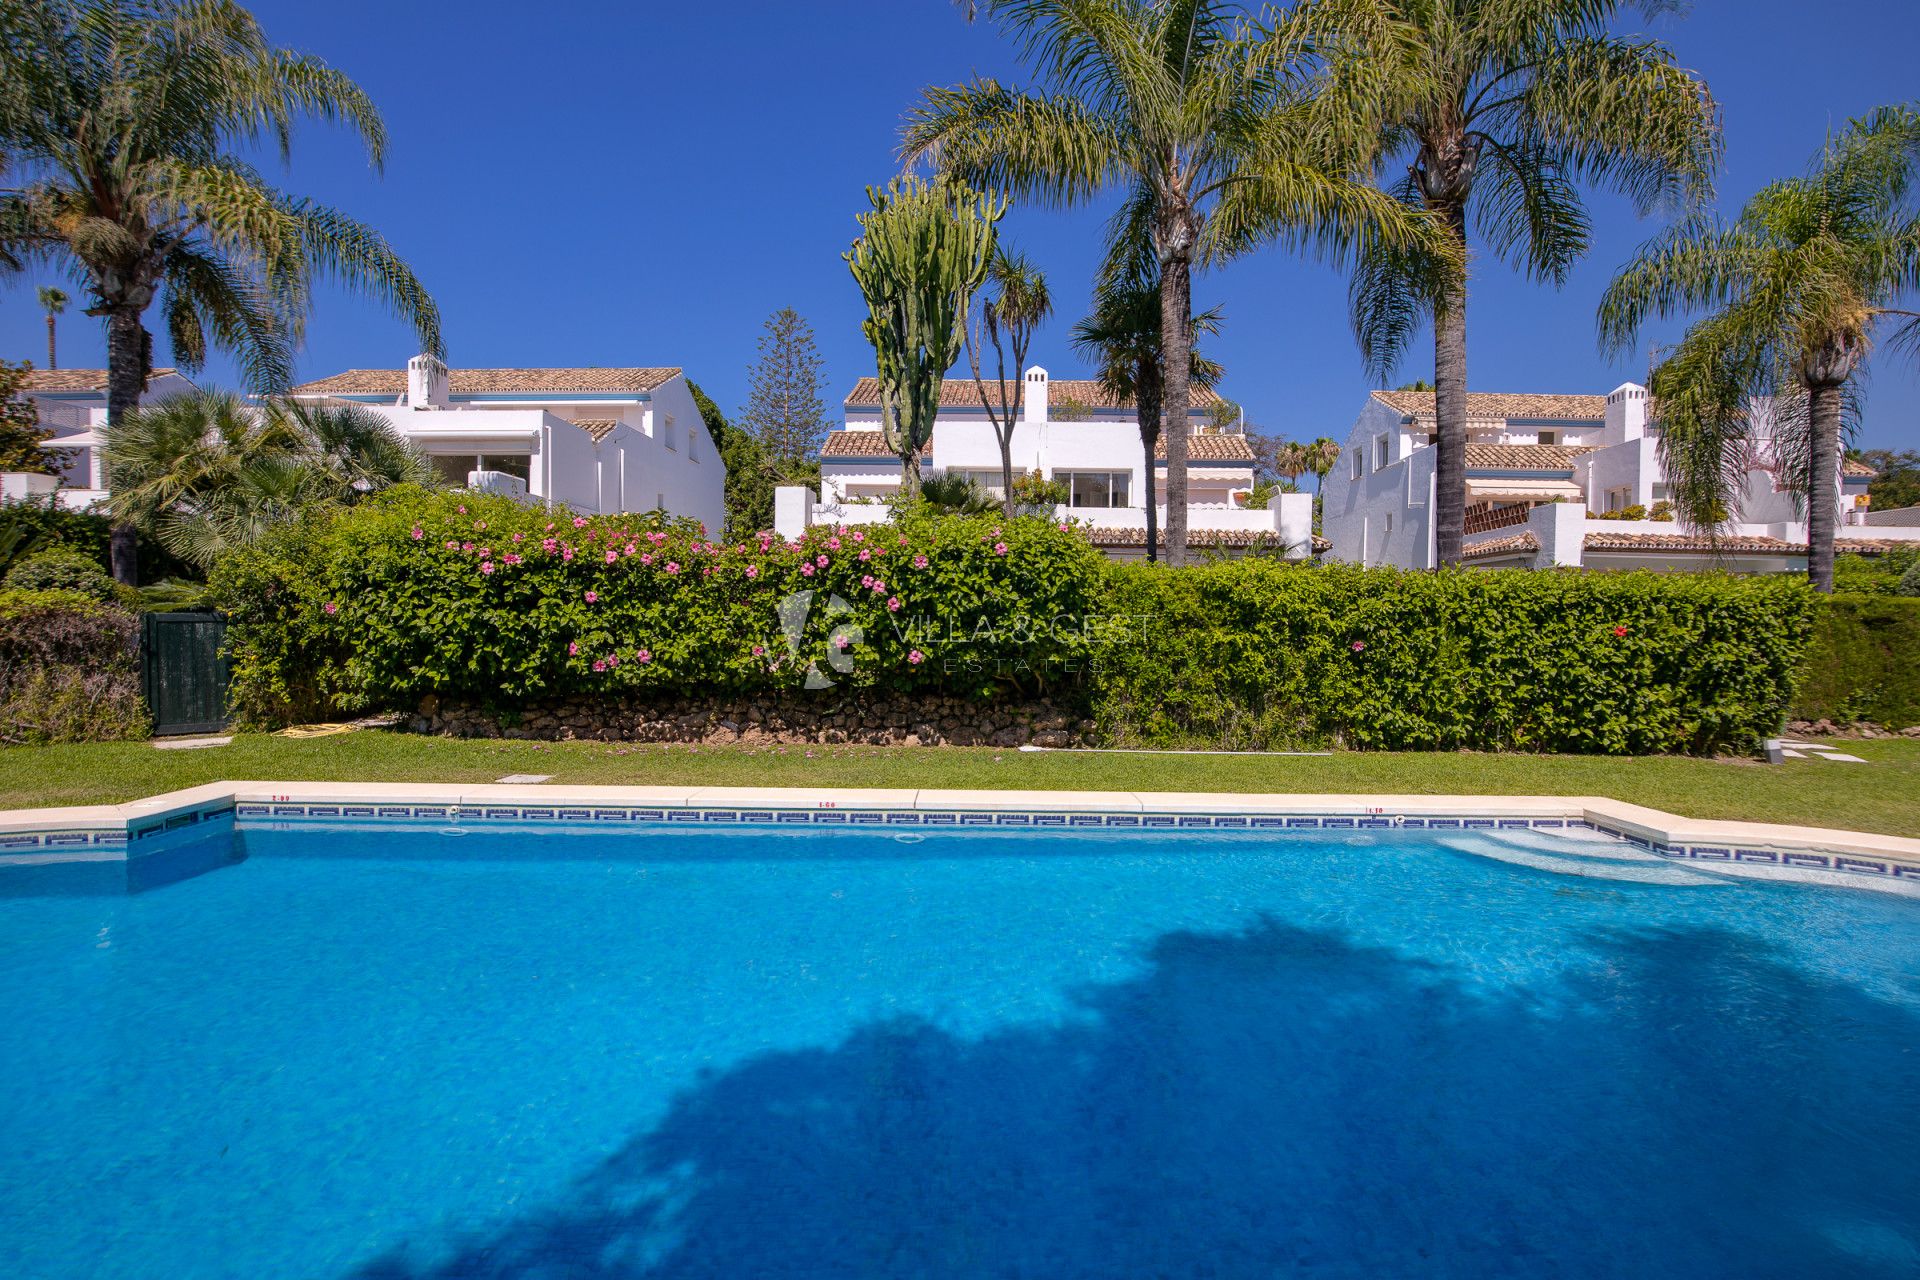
(785, 412)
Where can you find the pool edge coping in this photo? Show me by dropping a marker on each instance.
(107, 824)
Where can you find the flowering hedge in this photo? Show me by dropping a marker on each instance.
(488, 602)
(1258, 654)
(485, 600)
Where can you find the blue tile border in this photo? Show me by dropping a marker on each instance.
(131, 838)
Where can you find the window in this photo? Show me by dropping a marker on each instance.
(985, 481)
(453, 468)
(666, 433)
(693, 443)
(1389, 522)
(1097, 488)
(1618, 499)
(1382, 452)
(1359, 464)
(1549, 437)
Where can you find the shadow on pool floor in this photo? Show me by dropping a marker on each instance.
(1280, 1101)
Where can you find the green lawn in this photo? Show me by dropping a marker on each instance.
(1882, 795)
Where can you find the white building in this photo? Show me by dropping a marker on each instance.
(1073, 432)
(601, 441)
(72, 403)
(1543, 474)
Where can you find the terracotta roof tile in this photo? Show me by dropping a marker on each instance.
(1855, 467)
(961, 393)
(1509, 545)
(1220, 448)
(1497, 404)
(1210, 448)
(72, 379)
(468, 382)
(861, 444)
(1124, 536)
(1523, 457)
(598, 428)
(1701, 544)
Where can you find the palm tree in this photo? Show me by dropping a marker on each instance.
(1204, 122)
(1799, 286)
(206, 472)
(955, 496)
(1019, 305)
(53, 301)
(124, 118)
(1501, 108)
(1290, 460)
(1320, 457)
(1122, 340)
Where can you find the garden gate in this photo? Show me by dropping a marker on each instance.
(182, 671)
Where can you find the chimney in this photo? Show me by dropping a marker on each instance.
(426, 383)
(1626, 413)
(1034, 404)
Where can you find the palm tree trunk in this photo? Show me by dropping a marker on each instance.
(1006, 468)
(1176, 365)
(53, 361)
(1823, 481)
(1147, 406)
(1450, 409)
(126, 382)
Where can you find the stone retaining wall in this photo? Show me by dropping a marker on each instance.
(880, 721)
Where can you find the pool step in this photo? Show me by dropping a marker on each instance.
(1591, 859)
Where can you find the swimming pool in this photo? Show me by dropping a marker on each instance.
(440, 1048)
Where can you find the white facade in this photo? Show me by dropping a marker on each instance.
(601, 441)
(72, 403)
(1542, 472)
(1066, 430)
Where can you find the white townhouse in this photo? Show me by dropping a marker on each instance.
(600, 440)
(73, 404)
(1543, 474)
(1071, 431)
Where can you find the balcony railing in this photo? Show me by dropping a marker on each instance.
(1485, 519)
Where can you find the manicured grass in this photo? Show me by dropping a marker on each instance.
(1882, 795)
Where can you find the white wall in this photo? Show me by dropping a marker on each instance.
(1384, 516)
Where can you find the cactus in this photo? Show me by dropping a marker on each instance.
(922, 253)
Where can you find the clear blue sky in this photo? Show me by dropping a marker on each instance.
(599, 183)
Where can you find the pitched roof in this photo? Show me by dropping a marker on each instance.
(1509, 545)
(1500, 404)
(73, 379)
(961, 393)
(598, 428)
(1523, 457)
(1855, 467)
(470, 382)
(1699, 543)
(873, 444)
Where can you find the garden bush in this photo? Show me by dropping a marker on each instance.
(1863, 663)
(1262, 654)
(1887, 574)
(69, 669)
(63, 568)
(487, 601)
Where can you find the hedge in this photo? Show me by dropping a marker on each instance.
(1863, 663)
(485, 601)
(69, 669)
(1260, 654)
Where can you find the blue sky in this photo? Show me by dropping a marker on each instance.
(642, 183)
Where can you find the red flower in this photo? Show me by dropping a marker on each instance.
(1618, 632)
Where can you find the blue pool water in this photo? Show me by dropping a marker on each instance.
(536, 1054)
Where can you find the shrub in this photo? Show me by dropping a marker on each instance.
(1259, 653)
(489, 601)
(69, 669)
(33, 524)
(1863, 663)
(61, 568)
(1879, 575)
(1910, 580)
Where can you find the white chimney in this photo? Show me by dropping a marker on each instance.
(1626, 413)
(426, 383)
(1034, 405)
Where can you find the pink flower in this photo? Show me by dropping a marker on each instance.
(1063, 526)
(452, 546)
(642, 655)
(903, 539)
(548, 545)
(841, 642)
(753, 571)
(511, 558)
(859, 537)
(612, 556)
(573, 648)
(519, 537)
(865, 554)
(480, 525)
(579, 522)
(1358, 645)
(613, 660)
(549, 528)
(566, 554)
(461, 510)
(486, 566)
(999, 548)
(893, 604)
(866, 579)
(599, 664)
(331, 607)
(466, 546)
(919, 562)
(916, 657)
(833, 544)
(880, 586)
(806, 571)
(593, 597)
(418, 533)
(486, 553)
(759, 649)
(821, 561)
(673, 566)
(633, 548)
(646, 557)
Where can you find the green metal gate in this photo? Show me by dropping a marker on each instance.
(182, 671)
